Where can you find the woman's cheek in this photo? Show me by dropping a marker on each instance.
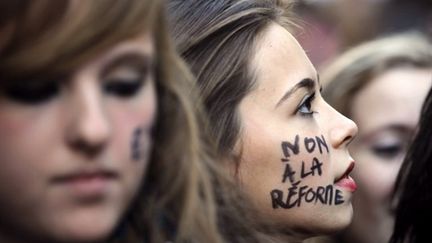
(134, 123)
(305, 178)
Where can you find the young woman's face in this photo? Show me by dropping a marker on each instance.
(387, 111)
(73, 152)
(293, 145)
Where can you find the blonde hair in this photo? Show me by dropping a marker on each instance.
(354, 69)
(45, 39)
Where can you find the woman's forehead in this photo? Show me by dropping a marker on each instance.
(280, 57)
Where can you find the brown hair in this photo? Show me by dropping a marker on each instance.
(218, 40)
(354, 69)
(44, 38)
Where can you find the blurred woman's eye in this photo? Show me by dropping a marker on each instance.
(389, 151)
(124, 82)
(31, 94)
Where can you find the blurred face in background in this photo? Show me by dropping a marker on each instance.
(386, 111)
(73, 150)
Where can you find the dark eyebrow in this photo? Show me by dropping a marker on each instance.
(305, 83)
(141, 61)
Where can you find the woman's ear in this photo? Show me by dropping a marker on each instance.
(232, 160)
(229, 166)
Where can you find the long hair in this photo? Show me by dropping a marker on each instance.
(44, 38)
(413, 194)
(353, 70)
(218, 39)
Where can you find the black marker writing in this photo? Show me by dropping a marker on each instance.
(316, 166)
(289, 173)
(310, 144)
(322, 142)
(136, 145)
(286, 146)
(296, 195)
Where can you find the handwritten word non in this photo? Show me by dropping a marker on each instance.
(310, 144)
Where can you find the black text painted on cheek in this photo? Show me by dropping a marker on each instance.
(309, 143)
(136, 145)
(296, 193)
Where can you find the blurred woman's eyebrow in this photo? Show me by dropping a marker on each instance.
(136, 59)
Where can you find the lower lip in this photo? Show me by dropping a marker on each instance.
(348, 183)
(88, 187)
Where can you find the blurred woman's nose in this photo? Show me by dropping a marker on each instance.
(89, 128)
(342, 131)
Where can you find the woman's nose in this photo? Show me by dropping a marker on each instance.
(89, 129)
(343, 131)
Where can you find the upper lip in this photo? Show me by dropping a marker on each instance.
(347, 172)
(85, 173)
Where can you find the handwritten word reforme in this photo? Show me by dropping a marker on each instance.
(296, 195)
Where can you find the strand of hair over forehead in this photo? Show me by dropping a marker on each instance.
(83, 29)
(234, 11)
(228, 12)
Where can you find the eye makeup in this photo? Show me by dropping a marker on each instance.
(125, 75)
(31, 93)
(304, 109)
(391, 143)
(123, 87)
(388, 151)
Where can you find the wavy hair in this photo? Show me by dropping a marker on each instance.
(45, 38)
(218, 39)
(354, 69)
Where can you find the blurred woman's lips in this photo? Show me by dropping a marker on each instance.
(345, 181)
(87, 185)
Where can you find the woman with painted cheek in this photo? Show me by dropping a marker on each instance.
(86, 114)
(381, 86)
(284, 145)
(74, 147)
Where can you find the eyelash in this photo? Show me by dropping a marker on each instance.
(307, 103)
(28, 95)
(389, 151)
(123, 89)
(40, 94)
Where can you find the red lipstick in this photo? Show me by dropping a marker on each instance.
(345, 181)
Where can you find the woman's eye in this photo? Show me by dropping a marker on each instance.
(123, 87)
(31, 94)
(305, 106)
(390, 151)
(125, 81)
